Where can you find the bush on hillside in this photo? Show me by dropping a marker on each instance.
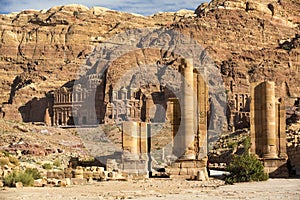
(57, 163)
(47, 166)
(34, 173)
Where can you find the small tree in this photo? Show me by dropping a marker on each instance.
(245, 167)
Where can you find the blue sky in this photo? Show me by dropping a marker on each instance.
(134, 6)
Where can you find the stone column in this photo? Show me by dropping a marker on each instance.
(130, 137)
(54, 117)
(186, 69)
(148, 106)
(64, 118)
(202, 104)
(57, 117)
(282, 128)
(269, 121)
(252, 118)
(143, 137)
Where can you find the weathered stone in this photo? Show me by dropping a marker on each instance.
(78, 173)
(202, 175)
(268, 137)
(40, 183)
(63, 183)
(78, 181)
(190, 143)
(87, 174)
(19, 185)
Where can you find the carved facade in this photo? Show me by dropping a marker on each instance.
(71, 104)
(85, 105)
(124, 106)
(146, 104)
(239, 110)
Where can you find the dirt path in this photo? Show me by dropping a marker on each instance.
(162, 189)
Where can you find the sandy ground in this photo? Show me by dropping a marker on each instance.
(162, 189)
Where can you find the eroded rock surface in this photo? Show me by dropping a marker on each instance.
(248, 40)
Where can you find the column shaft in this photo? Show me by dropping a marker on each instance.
(188, 109)
(202, 101)
(269, 120)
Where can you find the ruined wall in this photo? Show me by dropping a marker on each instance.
(293, 149)
(294, 158)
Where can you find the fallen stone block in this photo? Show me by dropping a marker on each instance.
(19, 185)
(78, 181)
(63, 183)
(40, 183)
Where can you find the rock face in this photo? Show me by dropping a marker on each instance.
(42, 50)
(248, 40)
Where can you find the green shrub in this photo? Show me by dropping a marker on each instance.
(11, 179)
(247, 144)
(14, 160)
(47, 166)
(245, 168)
(57, 163)
(34, 173)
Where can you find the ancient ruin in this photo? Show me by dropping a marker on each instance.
(62, 73)
(268, 128)
(188, 117)
(190, 136)
(71, 103)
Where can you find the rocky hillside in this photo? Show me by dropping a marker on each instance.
(251, 41)
(35, 145)
(42, 50)
(248, 40)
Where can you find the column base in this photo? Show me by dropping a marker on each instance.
(276, 167)
(188, 155)
(135, 166)
(188, 169)
(270, 156)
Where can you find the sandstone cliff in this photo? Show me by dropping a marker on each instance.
(248, 40)
(42, 50)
